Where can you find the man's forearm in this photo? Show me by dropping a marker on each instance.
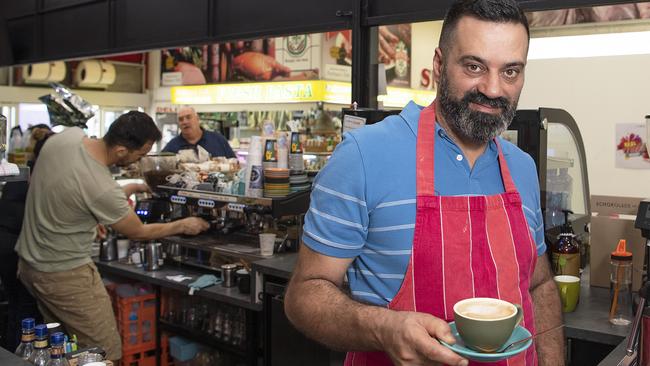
(548, 314)
(324, 313)
(156, 231)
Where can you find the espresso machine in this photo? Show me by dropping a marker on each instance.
(235, 222)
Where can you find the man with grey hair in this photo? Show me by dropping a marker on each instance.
(192, 136)
(430, 207)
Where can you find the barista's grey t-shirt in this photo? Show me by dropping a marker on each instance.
(69, 194)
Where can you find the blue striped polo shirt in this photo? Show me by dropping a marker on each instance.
(363, 200)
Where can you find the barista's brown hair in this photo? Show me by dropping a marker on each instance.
(132, 130)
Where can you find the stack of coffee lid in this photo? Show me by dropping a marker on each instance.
(276, 182)
(299, 181)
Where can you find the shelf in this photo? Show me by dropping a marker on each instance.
(22, 177)
(201, 337)
(558, 163)
(317, 153)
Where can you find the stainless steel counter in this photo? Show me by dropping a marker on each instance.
(217, 292)
(9, 359)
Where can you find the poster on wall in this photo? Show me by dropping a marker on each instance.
(631, 149)
(185, 66)
(337, 55)
(299, 56)
(394, 51)
(595, 14)
(268, 59)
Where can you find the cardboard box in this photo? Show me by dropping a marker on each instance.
(613, 219)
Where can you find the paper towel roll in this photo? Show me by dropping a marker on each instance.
(44, 72)
(95, 73)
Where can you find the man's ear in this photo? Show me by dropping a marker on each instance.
(120, 151)
(437, 65)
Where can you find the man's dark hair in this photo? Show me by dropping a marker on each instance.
(132, 130)
(498, 11)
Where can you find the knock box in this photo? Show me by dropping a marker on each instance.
(613, 219)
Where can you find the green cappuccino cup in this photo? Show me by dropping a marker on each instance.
(485, 324)
(569, 287)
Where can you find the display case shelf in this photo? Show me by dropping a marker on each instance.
(22, 177)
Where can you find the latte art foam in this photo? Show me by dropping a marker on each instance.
(485, 310)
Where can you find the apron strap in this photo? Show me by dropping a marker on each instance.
(425, 185)
(424, 151)
(508, 184)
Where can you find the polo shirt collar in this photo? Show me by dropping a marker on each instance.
(411, 114)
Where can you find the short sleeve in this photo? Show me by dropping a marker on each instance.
(337, 221)
(110, 207)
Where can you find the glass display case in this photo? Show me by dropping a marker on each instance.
(552, 139)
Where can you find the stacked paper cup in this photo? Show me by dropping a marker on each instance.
(296, 163)
(254, 171)
(283, 149)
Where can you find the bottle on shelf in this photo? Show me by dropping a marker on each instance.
(566, 251)
(41, 353)
(620, 285)
(26, 346)
(57, 351)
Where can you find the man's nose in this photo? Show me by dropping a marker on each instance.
(491, 85)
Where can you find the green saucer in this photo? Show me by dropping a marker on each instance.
(460, 348)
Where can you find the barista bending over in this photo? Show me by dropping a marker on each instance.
(71, 192)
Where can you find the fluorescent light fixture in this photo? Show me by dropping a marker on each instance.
(591, 45)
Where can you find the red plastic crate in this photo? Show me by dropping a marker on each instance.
(136, 321)
(143, 358)
(165, 358)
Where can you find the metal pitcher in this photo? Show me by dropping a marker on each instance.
(153, 256)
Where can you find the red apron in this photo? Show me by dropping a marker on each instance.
(463, 246)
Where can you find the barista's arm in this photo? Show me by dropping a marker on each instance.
(133, 188)
(548, 314)
(316, 305)
(134, 229)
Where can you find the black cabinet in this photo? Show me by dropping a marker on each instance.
(283, 344)
(78, 31)
(59, 4)
(155, 22)
(11, 9)
(22, 35)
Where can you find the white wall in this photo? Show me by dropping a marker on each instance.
(599, 93)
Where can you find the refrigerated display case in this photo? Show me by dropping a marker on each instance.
(552, 138)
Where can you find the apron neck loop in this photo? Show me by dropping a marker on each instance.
(425, 185)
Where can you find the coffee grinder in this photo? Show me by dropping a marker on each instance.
(155, 207)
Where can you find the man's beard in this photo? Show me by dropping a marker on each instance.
(469, 125)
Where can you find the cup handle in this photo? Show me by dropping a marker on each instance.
(520, 314)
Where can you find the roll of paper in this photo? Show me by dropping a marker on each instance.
(95, 73)
(44, 72)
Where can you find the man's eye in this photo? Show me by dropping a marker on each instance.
(511, 73)
(473, 68)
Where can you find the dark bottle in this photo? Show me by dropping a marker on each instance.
(566, 251)
(26, 346)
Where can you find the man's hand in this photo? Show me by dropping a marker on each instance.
(101, 232)
(193, 225)
(134, 188)
(411, 338)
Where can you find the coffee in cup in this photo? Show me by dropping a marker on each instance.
(485, 324)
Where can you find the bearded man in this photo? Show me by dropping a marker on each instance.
(71, 194)
(431, 207)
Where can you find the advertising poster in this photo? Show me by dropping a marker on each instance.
(631, 149)
(596, 14)
(298, 56)
(394, 51)
(337, 55)
(185, 66)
